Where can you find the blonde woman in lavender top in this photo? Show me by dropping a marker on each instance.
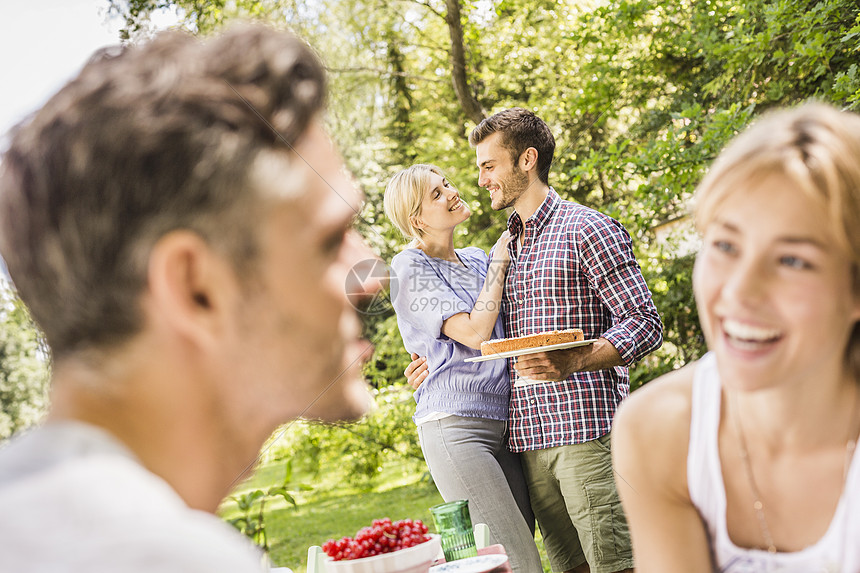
(447, 303)
(745, 461)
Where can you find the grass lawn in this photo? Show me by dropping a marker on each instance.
(334, 508)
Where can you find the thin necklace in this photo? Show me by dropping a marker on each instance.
(758, 506)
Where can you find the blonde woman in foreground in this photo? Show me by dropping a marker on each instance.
(744, 460)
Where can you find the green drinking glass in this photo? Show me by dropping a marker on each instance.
(455, 528)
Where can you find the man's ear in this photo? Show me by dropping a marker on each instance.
(191, 286)
(528, 159)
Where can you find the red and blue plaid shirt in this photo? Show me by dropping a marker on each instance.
(576, 269)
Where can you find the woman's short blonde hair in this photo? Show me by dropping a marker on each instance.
(818, 148)
(404, 194)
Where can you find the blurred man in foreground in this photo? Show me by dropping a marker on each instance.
(178, 222)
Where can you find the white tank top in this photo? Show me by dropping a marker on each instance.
(837, 551)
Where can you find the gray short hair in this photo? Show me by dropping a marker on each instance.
(156, 138)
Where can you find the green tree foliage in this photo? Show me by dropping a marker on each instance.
(358, 449)
(23, 366)
(641, 94)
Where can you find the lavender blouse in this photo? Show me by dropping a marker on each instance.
(428, 292)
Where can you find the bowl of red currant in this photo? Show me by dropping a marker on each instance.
(384, 547)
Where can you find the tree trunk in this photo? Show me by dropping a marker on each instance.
(471, 107)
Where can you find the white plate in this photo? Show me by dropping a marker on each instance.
(534, 350)
(479, 564)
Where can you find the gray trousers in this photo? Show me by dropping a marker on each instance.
(469, 459)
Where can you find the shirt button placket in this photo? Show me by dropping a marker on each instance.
(522, 290)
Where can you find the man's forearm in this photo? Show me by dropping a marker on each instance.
(600, 356)
(560, 364)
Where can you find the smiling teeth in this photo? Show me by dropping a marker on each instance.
(742, 331)
(456, 205)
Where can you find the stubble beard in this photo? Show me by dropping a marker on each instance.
(350, 395)
(511, 188)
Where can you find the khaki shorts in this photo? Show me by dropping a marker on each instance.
(573, 495)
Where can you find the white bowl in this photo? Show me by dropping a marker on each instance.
(415, 559)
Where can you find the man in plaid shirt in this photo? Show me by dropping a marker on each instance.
(571, 267)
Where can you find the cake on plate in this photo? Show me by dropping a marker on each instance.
(499, 345)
